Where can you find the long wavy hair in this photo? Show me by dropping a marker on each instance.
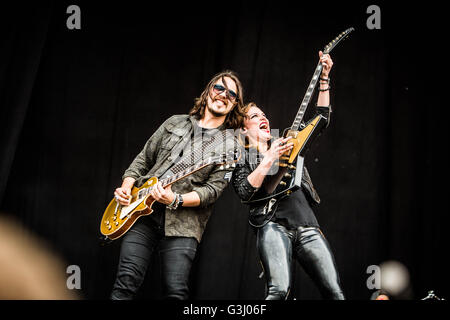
(235, 118)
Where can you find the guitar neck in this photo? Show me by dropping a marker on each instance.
(184, 173)
(180, 170)
(301, 111)
(307, 98)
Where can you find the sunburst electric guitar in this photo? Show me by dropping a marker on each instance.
(288, 176)
(118, 219)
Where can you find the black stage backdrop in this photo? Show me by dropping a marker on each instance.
(78, 105)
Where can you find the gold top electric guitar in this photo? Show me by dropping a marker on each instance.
(118, 219)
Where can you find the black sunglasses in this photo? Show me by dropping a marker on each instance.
(230, 93)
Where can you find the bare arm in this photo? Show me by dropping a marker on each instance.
(323, 98)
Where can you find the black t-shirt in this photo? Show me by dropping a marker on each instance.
(294, 211)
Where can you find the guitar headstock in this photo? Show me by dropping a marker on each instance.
(343, 35)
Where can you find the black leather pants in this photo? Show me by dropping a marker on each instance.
(276, 246)
(138, 245)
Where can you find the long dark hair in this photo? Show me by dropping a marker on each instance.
(235, 118)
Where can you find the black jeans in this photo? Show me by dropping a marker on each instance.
(276, 246)
(138, 246)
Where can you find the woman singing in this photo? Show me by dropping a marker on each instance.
(289, 228)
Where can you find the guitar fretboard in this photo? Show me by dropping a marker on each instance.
(301, 111)
(306, 99)
(179, 175)
(183, 173)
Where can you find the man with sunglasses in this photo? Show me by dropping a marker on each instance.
(182, 210)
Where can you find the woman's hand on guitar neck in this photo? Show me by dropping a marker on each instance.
(327, 64)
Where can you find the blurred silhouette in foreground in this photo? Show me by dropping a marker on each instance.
(396, 283)
(28, 269)
(395, 280)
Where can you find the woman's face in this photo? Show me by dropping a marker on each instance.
(257, 125)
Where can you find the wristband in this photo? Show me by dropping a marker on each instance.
(174, 204)
(180, 200)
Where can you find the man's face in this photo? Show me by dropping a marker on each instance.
(220, 100)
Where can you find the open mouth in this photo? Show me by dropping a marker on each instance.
(221, 102)
(264, 126)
